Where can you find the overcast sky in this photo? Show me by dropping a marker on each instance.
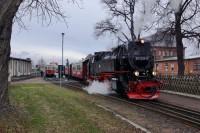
(42, 41)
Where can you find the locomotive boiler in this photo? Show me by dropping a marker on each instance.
(129, 68)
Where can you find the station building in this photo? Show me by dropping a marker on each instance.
(165, 55)
(19, 67)
(169, 66)
(163, 45)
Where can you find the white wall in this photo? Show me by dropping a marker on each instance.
(19, 67)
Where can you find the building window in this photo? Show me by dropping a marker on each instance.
(163, 53)
(157, 67)
(174, 53)
(171, 53)
(166, 67)
(166, 53)
(159, 53)
(154, 52)
(172, 68)
(196, 67)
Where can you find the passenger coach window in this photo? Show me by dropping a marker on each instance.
(74, 68)
(78, 67)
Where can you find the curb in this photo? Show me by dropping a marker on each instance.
(181, 94)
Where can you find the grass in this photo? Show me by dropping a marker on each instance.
(48, 108)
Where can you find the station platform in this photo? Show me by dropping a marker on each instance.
(186, 101)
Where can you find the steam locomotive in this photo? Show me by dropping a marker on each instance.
(129, 68)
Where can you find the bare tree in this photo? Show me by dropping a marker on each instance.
(181, 19)
(41, 62)
(120, 23)
(44, 9)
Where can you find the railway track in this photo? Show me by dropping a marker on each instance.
(179, 111)
(187, 116)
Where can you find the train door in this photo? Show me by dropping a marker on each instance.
(70, 70)
(85, 70)
(61, 71)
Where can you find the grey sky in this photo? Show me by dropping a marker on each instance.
(42, 41)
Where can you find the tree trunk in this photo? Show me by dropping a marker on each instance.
(4, 58)
(132, 6)
(8, 9)
(179, 44)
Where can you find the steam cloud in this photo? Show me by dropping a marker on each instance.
(145, 16)
(175, 4)
(96, 87)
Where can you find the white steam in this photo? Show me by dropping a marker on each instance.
(145, 17)
(175, 4)
(96, 87)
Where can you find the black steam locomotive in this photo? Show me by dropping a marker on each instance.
(128, 67)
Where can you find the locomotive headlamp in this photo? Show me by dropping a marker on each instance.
(142, 41)
(154, 73)
(136, 73)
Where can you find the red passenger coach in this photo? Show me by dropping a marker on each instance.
(76, 70)
(50, 71)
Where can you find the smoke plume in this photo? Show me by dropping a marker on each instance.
(96, 87)
(175, 4)
(145, 16)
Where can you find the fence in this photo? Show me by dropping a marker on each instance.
(189, 84)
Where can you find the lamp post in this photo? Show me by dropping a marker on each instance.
(68, 69)
(61, 69)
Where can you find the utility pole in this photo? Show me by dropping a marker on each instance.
(61, 69)
(68, 69)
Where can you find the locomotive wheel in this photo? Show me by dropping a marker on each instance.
(121, 88)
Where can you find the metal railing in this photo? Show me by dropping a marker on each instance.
(189, 84)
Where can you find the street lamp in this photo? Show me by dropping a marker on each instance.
(68, 71)
(61, 69)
